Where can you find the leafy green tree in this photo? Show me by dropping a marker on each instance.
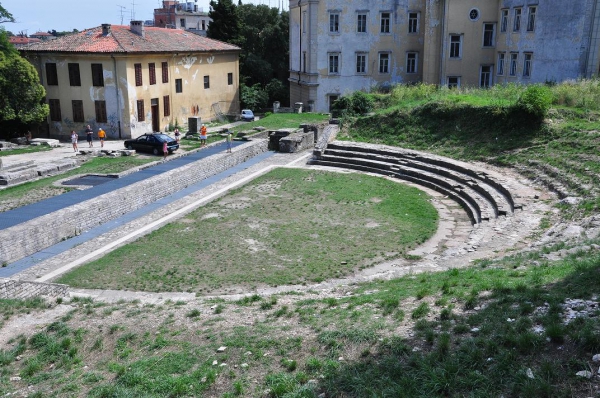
(225, 25)
(5, 16)
(253, 97)
(21, 93)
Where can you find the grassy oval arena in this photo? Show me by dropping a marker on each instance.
(291, 226)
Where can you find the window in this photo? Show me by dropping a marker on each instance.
(334, 64)
(97, 75)
(74, 76)
(485, 76)
(489, 30)
(361, 63)
(334, 22)
(77, 111)
(513, 64)
(517, 21)
(453, 82)
(413, 22)
(206, 81)
(178, 86)
(361, 23)
(384, 62)
(182, 22)
(455, 46)
(473, 14)
(100, 111)
(230, 79)
(504, 20)
(167, 105)
(527, 64)
(140, 111)
(203, 25)
(531, 19)
(165, 72)
(152, 73)
(500, 70)
(411, 62)
(55, 115)
(138, 74)
(51, 74)
(385, 22)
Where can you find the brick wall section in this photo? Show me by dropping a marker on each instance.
(11, 289)
(35, 235)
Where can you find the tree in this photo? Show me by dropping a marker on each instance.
(5, 16)
(253, 97)
(21, 94)
(225, 25)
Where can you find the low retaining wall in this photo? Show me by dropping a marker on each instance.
(297, 142)
(32, 236)
(328, 135)
(11, 289)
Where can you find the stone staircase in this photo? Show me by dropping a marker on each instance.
(480, 195)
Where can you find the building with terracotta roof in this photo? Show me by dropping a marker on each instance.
(182, 15)
(132, 80)
(43, 36)
(19, 41)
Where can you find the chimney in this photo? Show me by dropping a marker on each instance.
(105, 29)
(137, 27)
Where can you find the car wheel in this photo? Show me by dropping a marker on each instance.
(155, 151)
(130, 147)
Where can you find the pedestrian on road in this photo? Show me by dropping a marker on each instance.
(101, 137)
(165, 150)
(74, 139)
(229, 139)
(88, 135)
(203, 135)
(177, 134)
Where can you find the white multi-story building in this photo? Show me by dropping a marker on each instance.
(340, 46)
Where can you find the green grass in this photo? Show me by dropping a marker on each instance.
(354, 221)
(28, 149)
(470, 332)
(280, 120)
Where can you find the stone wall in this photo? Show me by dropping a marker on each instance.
(328, 135)
(35, 235)
(11, 289)
(297, 142)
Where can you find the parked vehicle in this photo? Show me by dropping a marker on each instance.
(247, 115)
(152, 143)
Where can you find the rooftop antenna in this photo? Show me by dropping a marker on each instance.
(133, 10)
(121, 11)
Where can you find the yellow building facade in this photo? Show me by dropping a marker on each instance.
(133, 80)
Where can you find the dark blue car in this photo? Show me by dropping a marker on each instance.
(152, 143)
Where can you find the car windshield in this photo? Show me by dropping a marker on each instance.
(162, 137)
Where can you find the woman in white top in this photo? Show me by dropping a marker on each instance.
(74, 138)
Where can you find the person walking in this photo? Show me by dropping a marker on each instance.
(177, 134)
(101, 137)
(203, 135)
(88, 135)
(74, 139)
(165, 150)
(229, 139)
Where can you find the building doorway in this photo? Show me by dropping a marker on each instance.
(154, 110)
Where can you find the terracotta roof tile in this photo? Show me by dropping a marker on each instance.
(122, 40)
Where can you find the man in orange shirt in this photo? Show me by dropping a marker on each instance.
(203, 135)
(101, 136)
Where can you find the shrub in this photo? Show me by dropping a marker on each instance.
(536, 100)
